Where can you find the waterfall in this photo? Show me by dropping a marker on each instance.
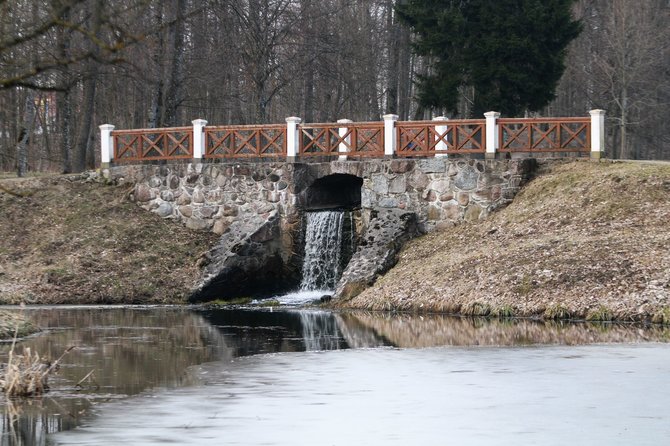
(322, 264)
(330, 241)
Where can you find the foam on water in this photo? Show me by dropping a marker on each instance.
(301, 297)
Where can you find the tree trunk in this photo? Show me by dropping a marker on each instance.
(88, 105)
(309, 59)
(42, 115)
(88, 100)
(66, 130)
(393, 68)
(173, 94)
(623, 152)
(25, 134)
(65, 100)
(156, 110)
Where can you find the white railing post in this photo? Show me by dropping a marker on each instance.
(198, 138)
(492, 143)
(390, 142)
(292, 137)
(440, 130)
(597, 133)
(106, 145)
(343, 147)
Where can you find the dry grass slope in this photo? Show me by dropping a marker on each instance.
(63, 240)
(582, 240)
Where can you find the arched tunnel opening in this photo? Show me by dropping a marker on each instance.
(336, 191)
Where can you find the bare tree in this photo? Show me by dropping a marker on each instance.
(619, 63)
(637, 41)
(83, 146)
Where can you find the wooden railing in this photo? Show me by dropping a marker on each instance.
(360, 139)
(153, 144)
(367, 140)
(426, 138)
(249, 141)
(545, 135)
(320, 139)
(482, 137)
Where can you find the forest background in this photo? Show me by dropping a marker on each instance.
(67, 66)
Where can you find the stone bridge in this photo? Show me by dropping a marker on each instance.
(258, 209)
(253, 184)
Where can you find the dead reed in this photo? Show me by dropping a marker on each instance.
(27, 374)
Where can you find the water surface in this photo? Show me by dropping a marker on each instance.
(279, 376)
(462, 396)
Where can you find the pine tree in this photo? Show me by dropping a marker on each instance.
(510, 51)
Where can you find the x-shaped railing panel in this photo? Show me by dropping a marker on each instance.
(153, 144)
(544, 135)
(425, 138)
(245, 141)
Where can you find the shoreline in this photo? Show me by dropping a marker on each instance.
(440, 325)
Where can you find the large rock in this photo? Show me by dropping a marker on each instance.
(387, 231)
(246, 261)
(466, 179)
(144, 193)
(164, 210)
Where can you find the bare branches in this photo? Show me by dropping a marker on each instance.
(27, 60)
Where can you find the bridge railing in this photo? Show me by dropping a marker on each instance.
(347, 139)
(428, 138)
(248, 141)
(152, 144)
(343, 139)
(545, 135)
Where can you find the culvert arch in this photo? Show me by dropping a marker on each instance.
(335, 191)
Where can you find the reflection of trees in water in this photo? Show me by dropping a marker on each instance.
(130, 350)
(27, 422)
(406, 331)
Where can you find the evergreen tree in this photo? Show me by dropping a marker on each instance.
(510, 51)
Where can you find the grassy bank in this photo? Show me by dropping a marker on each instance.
(582, 240)
(65, 239)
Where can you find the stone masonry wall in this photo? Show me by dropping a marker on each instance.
(211, 196)
(441, 191)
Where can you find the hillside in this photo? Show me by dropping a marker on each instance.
(67, 239)
(582, 240)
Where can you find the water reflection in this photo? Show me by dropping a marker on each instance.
(128, 351)
(257, 331)
(134, 350)
(320, 331)
(414, 331)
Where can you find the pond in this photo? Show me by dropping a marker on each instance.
(283, 376)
